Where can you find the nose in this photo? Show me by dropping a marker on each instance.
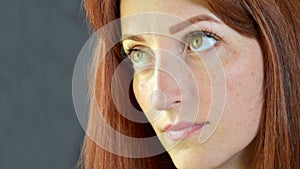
(166, 94)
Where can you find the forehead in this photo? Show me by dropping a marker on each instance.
(180, 8)
(164, 14)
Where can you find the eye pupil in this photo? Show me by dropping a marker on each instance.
(196, 42)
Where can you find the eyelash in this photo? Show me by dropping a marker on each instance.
(131, 49)
(208, 33)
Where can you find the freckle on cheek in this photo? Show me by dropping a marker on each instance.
(143, 88)
(142, 85)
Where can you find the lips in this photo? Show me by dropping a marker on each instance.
(182, 130)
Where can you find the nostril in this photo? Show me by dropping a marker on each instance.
(161, 101)
(173, 104)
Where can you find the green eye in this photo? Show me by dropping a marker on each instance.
(137, 56)
(140, 57)
(196, 42)
(199, 41)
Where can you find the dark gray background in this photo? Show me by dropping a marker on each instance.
(39, 43)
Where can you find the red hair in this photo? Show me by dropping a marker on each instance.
(276, 26)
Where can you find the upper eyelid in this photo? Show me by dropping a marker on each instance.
(140, 48)
(137, 48)
(204, 32)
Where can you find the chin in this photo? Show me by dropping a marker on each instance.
(183, 159)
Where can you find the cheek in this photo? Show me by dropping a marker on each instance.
(244, 80)
(205, 88)
(142, 89)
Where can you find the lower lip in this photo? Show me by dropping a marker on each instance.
(183, 133)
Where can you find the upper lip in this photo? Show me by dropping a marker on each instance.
(181, 125)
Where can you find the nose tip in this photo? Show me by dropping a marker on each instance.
(161, 101)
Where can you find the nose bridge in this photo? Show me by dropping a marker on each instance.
(165, 71)
(167, 75)
(168, 44)
(168, 61)
(166, 85)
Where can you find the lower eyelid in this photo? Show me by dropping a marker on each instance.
(205, 51)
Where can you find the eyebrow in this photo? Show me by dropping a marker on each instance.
(182, 25)
(176, 28)
(133, 37)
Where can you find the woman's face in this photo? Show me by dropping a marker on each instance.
(177, 79)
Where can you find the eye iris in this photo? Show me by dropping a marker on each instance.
(196, 42)
(137, 56)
